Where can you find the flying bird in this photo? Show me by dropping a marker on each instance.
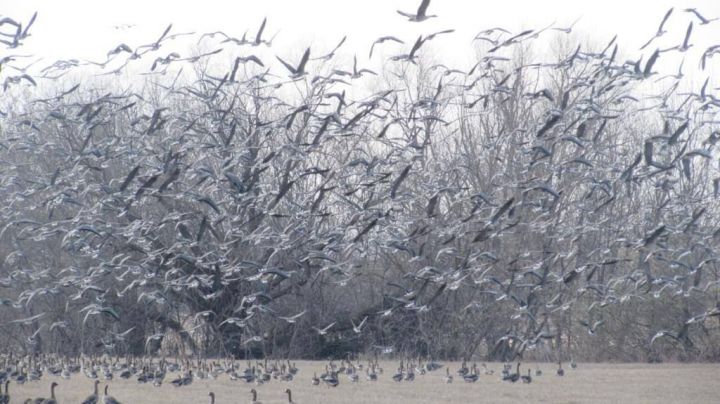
(686, 42)
(421, 13)
(358, 328)
(703, 20)
(293, 319)
(661, 31)
(325, 330)
(299, 71)
(382, 40)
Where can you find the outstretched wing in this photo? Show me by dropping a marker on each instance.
(287, 66)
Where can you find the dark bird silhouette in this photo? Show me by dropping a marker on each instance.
(703, 20)
(661, 31)
(421, 14)
(299, 71)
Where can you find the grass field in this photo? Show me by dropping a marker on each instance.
(589, 383)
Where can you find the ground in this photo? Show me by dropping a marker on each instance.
(589, 383)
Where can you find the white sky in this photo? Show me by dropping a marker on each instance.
(84, 29)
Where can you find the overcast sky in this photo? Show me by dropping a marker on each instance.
(89, 28)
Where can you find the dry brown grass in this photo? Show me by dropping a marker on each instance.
(589, 383)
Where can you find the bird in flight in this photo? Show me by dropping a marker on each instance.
(299, 71)
(293, 319)
(324, 330)
(703, 20)
(421, 13)
(383, 39)
(358, 328)
(661, 31)
(686, 43)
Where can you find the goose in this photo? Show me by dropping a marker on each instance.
(371, 376)
(686, 42)
(353, 376)
(513, 377)
(183, 380)
(357, 329)
(315, 380)
(107, 399)
(254, 397)
(488, 372)
(410, 374)
(331, 380)
(506, 370)
(331, 54)
(5, 398)
(411, 58)
(448, 376)
(295, 73)
(398, 376)
(381, 40)
(560, 371)
(93, 398)
(472, 376)
(293, 319)
(421, 13)
(289, 393)
(528, 378)
(703, 20)
(212, 397)
(258, 38)
(47, 400)
(463, 369)
(661, 31)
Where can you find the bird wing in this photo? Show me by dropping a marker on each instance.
(32, 20)
(687, 35)
(417, 46)
(253, 58)
(342, 41)
(164, 33)
(287, 66)
(662, 23)
(423, 8)
(651, 62)
(404, 14)
(303, 61)
(258, 37)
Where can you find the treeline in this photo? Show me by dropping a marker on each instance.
(547, 209)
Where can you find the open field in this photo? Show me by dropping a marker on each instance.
(589, 383)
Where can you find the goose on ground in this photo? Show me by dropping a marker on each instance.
(254, 397)
(513, 377)
(528, 378)
(289, 394)
(93, 398)
(5, 398)
(107, 399)
(448, 376)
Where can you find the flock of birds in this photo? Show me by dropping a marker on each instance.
(223, 198)
(32, 369)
